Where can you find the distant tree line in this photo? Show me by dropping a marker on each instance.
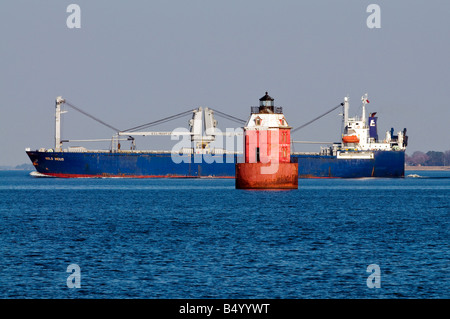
(430, 158)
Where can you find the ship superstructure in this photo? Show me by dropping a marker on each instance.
(361, 132)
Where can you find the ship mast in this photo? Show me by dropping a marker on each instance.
(345, 111)
(58, 143)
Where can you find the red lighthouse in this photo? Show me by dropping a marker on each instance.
(267, 150)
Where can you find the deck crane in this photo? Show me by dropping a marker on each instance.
(202, 127)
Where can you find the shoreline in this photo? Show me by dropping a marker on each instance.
(427, 168)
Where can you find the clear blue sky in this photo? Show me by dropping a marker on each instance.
(133, 62)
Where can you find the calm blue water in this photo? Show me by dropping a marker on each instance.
(191, 238)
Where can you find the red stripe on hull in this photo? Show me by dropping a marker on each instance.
(62, 175)
(317, 177)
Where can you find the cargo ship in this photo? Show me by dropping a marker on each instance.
(200, 151)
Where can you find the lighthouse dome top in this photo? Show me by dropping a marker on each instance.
(266, 97)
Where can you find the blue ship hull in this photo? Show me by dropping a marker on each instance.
(160, 164)
(384, 164)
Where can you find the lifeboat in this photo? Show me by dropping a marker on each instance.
(350, 139)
